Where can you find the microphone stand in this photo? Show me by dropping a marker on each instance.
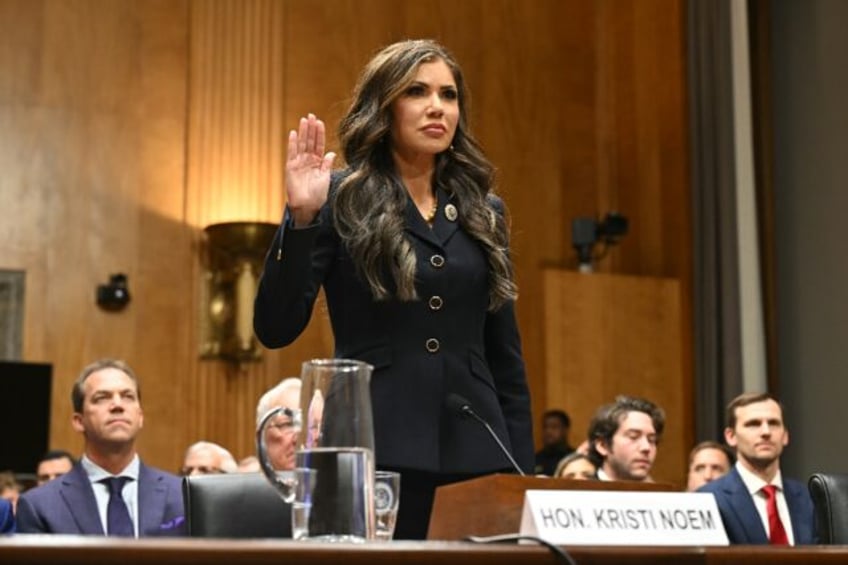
(466, 409)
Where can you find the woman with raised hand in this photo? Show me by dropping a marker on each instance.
(410, 245)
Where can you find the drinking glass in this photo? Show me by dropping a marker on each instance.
(386, 499)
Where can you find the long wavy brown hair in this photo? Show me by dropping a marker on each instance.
(370, 202)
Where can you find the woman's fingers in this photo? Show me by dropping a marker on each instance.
(291, 151)
(327, 163)
(307, 168)
(320, 138)
(311, 133)
(302, 130)
(309, 139)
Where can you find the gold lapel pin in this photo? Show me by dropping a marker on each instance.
(450, 212)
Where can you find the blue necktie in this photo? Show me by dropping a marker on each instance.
(118, 521)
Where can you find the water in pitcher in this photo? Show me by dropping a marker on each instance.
(340, 506)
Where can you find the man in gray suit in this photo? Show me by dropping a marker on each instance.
(109, 491)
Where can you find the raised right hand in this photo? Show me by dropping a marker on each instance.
(307, 170)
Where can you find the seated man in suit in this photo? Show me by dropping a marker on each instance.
(757, 505)
(623, 438)
(110, 491)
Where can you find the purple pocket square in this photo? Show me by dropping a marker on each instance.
(171, 524)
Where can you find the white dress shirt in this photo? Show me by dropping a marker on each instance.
(97, 473)
(755, 485)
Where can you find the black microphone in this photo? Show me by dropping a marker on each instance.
(462, 406)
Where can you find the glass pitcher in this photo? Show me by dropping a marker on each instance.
(331, 488)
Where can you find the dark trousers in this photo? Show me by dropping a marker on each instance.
(417, 491)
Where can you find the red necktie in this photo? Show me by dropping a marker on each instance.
(777, 534)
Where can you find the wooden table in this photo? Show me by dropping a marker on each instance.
(73, 550)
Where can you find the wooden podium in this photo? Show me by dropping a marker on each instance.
(492, 505)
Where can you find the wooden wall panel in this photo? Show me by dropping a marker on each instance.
(234, 112)
(232, 161)
(126, 127)
(619, 334)
(92, 100)
(642, 165)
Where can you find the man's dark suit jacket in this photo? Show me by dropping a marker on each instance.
(7, 519)
(478, 355)
(66, 505)
(741, 520)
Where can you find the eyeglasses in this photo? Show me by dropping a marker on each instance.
(287, 427)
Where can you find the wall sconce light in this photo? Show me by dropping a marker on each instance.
(232, 260)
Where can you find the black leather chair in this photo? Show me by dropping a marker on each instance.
(235, 505)
(829, 492)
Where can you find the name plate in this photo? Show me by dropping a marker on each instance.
(568, 517)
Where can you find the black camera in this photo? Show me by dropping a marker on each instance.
(586, 232)
(612, 227)
(114, 295)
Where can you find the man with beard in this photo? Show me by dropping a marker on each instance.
(758, 505)
(109, 491)
(623, 438)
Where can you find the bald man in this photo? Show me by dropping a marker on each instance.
(207, 458)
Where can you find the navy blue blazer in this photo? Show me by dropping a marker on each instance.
(7, 518)
(66, 505)
(472, 352)
(741, 520)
